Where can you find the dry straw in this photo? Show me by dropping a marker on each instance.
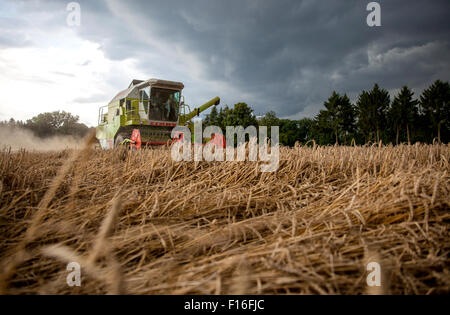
(140, 223)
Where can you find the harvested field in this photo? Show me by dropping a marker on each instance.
(140, 223)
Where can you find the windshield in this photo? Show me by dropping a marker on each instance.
(164, 104)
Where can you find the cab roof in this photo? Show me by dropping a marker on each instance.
(133, 89)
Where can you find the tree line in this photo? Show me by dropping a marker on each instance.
(373, 118)
(57, 123)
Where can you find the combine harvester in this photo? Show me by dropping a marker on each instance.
(145, 114)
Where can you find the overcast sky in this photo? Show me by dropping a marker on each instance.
(285, 56)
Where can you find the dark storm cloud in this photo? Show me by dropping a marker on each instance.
(280, 55)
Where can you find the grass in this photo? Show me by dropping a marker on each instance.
(139, 223)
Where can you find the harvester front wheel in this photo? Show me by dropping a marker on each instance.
(118, 141)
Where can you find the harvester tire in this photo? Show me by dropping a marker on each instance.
(118, 141)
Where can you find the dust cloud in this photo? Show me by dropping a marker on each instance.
(19, 138)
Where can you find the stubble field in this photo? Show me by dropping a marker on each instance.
(137, 222)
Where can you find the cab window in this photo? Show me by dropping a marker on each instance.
(144, 97)
(164, 104)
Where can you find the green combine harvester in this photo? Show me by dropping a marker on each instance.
(145, 114)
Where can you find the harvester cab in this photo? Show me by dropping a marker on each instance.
(145, 114)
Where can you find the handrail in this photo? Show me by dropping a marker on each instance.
(101, 114)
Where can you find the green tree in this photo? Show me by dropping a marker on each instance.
(270, 119)
(346, 119)
(337, 119)
(222, 117)
(322, 128)
(332, 114)
(240, 115)
(435, 107)
(289, 132)
(11, 123)
(57, 122)
(371, 110)
(304, 129)
(212, 119)
(365, 122)
(403, 113)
